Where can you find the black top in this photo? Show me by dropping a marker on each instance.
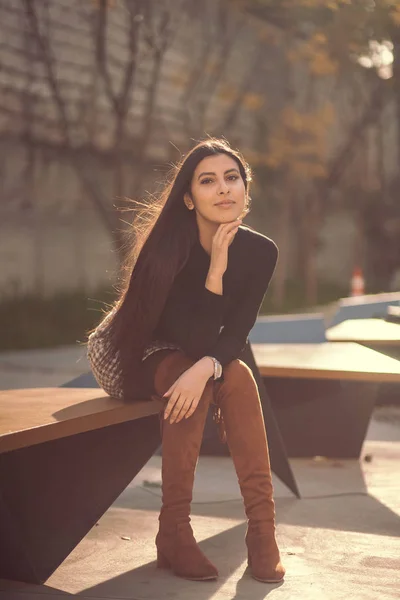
(204, 323)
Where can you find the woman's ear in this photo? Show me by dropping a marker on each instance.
(188, 201)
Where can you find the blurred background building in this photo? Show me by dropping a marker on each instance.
(98, 98)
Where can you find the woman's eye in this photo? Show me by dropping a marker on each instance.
(229, 178)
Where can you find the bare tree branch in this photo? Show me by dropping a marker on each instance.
(159, 40)
(101, 52)
(245, 86)
(370, 115)
(119, 100)
(45, 55)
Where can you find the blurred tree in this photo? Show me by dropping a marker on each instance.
(121, 85)
(146, 36)
(118, 112)
(331, 44)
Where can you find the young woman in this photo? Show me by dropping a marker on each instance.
(196, 280)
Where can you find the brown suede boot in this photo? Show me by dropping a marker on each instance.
(177, 548)
(239, 402)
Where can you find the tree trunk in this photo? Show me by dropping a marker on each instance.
(312, 222)
(396, 82)
(283, 237)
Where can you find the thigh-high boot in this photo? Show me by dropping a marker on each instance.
(177, 548)
(239, 403)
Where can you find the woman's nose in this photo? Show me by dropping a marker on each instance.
(223, 187)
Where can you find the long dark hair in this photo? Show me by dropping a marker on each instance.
(163, 235)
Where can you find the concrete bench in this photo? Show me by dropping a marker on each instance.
(369, 332)
(393, 314)
(364, 307)
(377, 334)
(65, 456)
(288, 329)
(323, 395)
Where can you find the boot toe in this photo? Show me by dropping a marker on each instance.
(263, 558)
(180, 552)
(275, 575)
(191, 563)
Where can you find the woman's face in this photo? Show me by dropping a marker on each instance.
(218, 192)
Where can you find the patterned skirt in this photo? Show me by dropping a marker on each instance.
(158, 345)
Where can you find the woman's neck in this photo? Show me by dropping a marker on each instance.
(206, 234)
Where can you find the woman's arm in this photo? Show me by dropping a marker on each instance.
(243, 315)
(196, 325)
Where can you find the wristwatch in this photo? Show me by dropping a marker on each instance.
(217, 367)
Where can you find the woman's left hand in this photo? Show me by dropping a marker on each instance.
(184, 395)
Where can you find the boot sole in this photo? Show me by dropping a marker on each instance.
(267, 580)
(210, 578)
(264, 580)
(206, 578)
(163, 564)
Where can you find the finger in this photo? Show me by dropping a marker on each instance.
(228, 237)
(230, 225)
(192, 407)
(232, 232)
(225, 229)
(181, 413)
(167, 409)
(185, 408)
(170, 390)
(177, 410)
(171, 404)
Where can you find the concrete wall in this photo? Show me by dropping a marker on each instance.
(51, 236)
(47, 255)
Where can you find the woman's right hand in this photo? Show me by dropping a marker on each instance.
(221, 241)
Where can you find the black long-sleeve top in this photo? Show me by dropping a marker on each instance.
(202, 322)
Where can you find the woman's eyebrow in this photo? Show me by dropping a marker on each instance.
(210, 173)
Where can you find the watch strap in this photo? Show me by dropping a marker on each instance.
(217, 367)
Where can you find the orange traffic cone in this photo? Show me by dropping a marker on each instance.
(357, 282)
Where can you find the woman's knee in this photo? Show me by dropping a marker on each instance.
(167, 370)
(237, 373)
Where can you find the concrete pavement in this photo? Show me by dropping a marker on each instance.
(341, 540)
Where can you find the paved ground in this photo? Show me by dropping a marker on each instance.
(44, 367)
(340, 541)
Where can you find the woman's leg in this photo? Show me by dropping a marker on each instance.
(238, 399)
(176, 546)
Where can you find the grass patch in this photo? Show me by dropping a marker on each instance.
(30, 321)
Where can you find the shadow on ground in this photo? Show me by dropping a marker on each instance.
(152, 579)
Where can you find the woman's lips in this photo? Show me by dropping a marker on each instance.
(225, 204)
